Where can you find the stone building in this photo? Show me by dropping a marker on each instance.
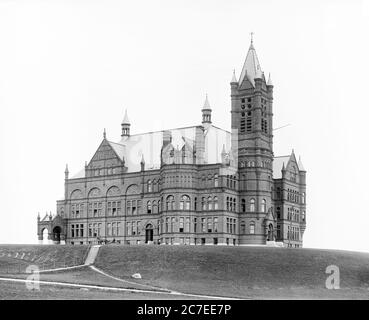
(198, 185)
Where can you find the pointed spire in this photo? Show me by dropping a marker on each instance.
(300, 165)
(104, 134)
(234, 79)
(206, 103)
(270, 82)
(126, 119)
(206, 112)
(125, 126)
(251, 64)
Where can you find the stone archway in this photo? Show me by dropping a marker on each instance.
(149, 233)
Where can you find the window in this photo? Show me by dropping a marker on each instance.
(129, 230)
(203, 203)
(109, 229)
(203, 225)
(216, 180)
(114, 208)
(195, 225)
(210, 225)
(170, 203)
(187, 227)
(263, 205)
(181, 224)
(154, 207)
(303, 198)
(215, 241)
(243, 205)
(149, 186)
(243, 227)
(149, 207)
(167, 225)
(195, 204)
(172, 225)
(210, 204)
(184, 203)
(215, 224)
(252, 228)
(215, 203)
(252, 205)
(278, 212)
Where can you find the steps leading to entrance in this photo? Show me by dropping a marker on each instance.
(92, 254)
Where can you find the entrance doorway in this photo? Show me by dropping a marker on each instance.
(149, 233)
(56, 235)
(270, 233)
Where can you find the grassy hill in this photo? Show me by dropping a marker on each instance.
(243, 272)
(254, 272)
(18, 257)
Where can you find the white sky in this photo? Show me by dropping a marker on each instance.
(70, 68)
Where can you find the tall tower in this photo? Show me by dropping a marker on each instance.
(252, 144)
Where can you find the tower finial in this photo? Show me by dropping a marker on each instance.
(104, 134)
(234, 79)
(252, 37)
(125, 125)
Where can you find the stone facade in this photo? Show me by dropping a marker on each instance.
(217, 188)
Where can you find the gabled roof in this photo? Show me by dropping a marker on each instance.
(251, 67)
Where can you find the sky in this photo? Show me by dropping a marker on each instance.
(69, 69)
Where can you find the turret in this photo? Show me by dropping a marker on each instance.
(126, 126)
(206, 113)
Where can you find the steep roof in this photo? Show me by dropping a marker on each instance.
(149, 145)
(251, 67)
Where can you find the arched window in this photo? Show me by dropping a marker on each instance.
(216, 203)
(234, 204)
(149, 207)
(252, 228)
(170, 203)
(184, 203)
(227, 203)
(149, 186)
(303, 198)
(216, 180)
(263, 205)
(252, 205)
(159, 206)
(210, 204)
(243, 205)
(154, 207)
(203, 204)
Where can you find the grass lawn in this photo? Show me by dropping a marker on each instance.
(18, 291)
(248, 272)
(18, 257)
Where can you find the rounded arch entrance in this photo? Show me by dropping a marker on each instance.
(56, 234)
(149, 233)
